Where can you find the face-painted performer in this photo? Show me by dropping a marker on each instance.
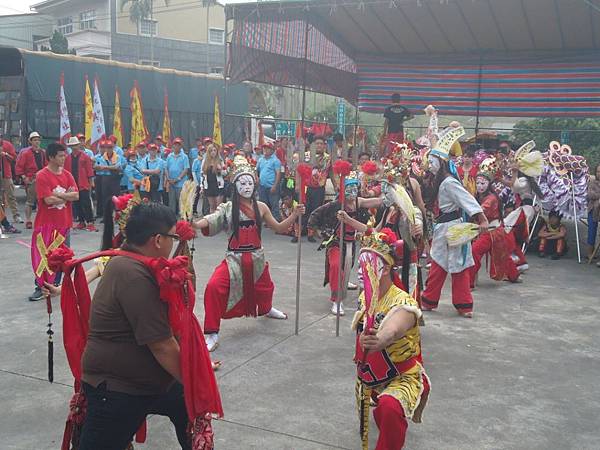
(453, 202)
(388, 345)
(241, 285)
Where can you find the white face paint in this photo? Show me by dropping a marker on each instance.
(351, 191)
(434, 164)
(482, 184)
(245, 185)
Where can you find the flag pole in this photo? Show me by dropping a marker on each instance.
(340, 290)
(576, 219)
(299, 182)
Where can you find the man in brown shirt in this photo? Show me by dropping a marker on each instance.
(131, 361)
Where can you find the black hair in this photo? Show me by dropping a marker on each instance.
(53, 149)
(361, 154)
(145, 220)
(555, 213)
(441, 176)
(395, 97)
(319, 137)
(338, 137)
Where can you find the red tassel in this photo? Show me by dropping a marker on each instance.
(342, 168)
(305, 172)
(369, 168)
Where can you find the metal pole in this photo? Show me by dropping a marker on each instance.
(576, 219)
(152, 33)
(355, 149)
(341, 278)
(305, 69)
(478, 96)
(298, 261)
(299, 233)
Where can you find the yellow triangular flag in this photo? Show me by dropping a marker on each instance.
(88, 112)
(139, 132)
(217, 124)
(117, 124)
(166, 128)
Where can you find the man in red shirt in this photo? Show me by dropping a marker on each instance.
(7, 156)
(80, 166)
(55, 190)
(30, 161)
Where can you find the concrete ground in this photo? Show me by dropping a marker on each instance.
(520, 375)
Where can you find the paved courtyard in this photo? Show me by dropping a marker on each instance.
(521, 375)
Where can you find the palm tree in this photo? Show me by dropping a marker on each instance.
(138, 11)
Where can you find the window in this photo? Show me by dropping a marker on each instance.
(218, 70)
(65, 25)
(87, 20)
(216, 36)
(148, 27)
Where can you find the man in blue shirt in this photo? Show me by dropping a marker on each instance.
(177, 169)
(195, 150)
(269, 173)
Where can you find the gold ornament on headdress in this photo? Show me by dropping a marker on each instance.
(241, 166)
(379, 243)
(528, 162)
(488, 168)
(123, 215)
(447, 139)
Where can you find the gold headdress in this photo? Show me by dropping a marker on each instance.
(488, 168)
(398, 163)
(239, 166)
(447, 139)
(383, 243)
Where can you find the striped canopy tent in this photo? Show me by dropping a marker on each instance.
(519, 58)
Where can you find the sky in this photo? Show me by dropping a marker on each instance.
(22, 6)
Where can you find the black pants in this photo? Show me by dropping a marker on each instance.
(83, 208)
(98, 192)
(315, 197)
(113, 417)
(111, 186)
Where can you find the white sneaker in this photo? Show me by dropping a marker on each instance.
(274, 313)
(523, 267)
(352, 286)
(334, 306)
(212, 341)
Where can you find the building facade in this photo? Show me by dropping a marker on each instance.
(177, 34)
(23, 30)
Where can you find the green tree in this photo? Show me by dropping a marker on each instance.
(584, 135)
(59, 44)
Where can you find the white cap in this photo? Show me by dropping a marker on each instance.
(34, 134)
(72, 141)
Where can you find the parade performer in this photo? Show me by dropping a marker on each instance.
(553, 237)
(241, 285)
(327, 220)
(526, 165)
(467, 171)
(135, 372)
(397, 172)
(315, 192)
(452, 201)
(493, 242)
(388, 346)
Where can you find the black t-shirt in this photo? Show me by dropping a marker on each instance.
(396, 115)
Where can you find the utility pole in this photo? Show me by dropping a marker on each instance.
(152, 32)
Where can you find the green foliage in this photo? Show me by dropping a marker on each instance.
(59, 43)
(584, 135)
(139, 9)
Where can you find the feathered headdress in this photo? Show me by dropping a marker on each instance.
(531, 163)
(488, 168)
